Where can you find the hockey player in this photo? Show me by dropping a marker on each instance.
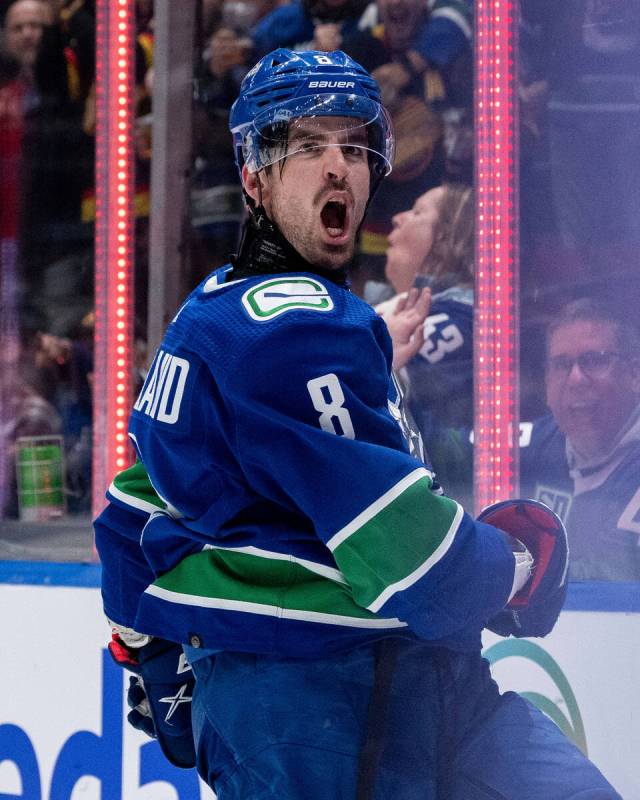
(328, 597)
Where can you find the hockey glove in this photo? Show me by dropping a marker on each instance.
(159, 695)
(534, 610)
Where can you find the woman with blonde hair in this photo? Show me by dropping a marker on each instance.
(430, 256)
(432, 243)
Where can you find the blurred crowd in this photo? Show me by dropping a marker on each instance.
(579, 196)
(580, 109)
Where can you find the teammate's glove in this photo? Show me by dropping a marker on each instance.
(534, 609)
(159, 695)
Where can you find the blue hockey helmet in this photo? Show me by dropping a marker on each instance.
(286, 87)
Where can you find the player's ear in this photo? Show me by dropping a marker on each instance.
(253, 185)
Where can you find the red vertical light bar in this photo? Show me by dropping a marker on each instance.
(496, 327)
(114, 240)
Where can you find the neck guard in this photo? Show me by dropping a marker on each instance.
(264, 250)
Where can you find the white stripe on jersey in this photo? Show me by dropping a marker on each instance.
(271, 611)
(415, 576)
(375, 508)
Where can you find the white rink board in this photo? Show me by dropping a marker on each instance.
(57, 682)
(599, 655)
(52, 672)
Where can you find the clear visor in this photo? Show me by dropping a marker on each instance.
(304, 125)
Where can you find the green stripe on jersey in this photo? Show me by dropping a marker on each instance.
(394, 542)
(227, 579)
(133, 487)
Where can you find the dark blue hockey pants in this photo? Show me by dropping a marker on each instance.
(398, 720)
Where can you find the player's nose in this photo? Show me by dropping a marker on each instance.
(334, 164)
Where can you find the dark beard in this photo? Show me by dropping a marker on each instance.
(264, 251)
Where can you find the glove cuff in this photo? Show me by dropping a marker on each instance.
(128, 636)
(523, 570)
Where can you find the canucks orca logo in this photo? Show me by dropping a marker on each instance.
(572, 726)
(271, 298)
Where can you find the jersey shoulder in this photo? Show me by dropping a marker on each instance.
(543, 435)
(627, 472)
(262, 340)
(220, 319)
(544, 471)
(456, 302)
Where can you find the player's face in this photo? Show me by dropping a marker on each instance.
(318, 197)
(592, 388)
(411, 239)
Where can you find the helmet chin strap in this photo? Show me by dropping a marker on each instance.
(264, 249)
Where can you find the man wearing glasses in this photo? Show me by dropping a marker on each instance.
(584, 460)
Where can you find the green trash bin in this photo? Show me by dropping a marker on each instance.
(40, 477)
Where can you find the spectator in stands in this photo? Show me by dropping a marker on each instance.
(217, 207)
(418, 48)
(239, 15)
(308, 25)
(56, 249)
(24, 23)
(69, 364)
(583, 459)
(60, 371)
(421, 56)
(431, 246)
(584, 77)
(12, 92)
(24, 413)
(46, 389)
(431, 249)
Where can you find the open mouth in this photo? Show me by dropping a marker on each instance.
(334, 217)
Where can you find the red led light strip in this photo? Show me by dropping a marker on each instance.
(114, 241)
(496, 326)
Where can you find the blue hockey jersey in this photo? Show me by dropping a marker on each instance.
(438, 383)
(441, 374)
(599, 503)
(289, 514)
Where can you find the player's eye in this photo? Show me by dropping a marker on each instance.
(306, 145)
(354, 152)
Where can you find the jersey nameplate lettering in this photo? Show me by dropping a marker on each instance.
(274, 297)
(163, 390)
